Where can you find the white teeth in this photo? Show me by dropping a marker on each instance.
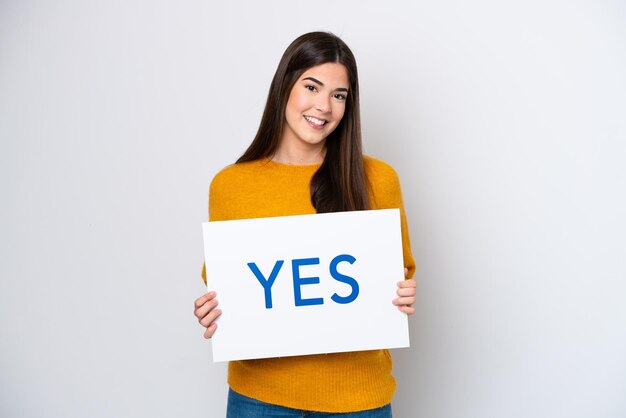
(315, 121)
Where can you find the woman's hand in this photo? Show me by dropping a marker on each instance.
(205, 309)
(406, 295)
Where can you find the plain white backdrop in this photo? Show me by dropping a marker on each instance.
(505, 121)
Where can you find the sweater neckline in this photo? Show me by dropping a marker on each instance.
(293, 167)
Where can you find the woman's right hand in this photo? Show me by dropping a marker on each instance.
(205, 309)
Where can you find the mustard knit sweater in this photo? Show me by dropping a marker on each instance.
(339, 382)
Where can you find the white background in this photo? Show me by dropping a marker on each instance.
(505, 121)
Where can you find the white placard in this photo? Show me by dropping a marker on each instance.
(332, 292)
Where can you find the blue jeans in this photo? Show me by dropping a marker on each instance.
(240, 406)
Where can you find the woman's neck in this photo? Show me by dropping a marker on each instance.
(292, 156)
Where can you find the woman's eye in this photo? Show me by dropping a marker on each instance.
(310, 87)
(340, 96)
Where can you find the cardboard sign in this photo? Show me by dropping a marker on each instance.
(306, 284)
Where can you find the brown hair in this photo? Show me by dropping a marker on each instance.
(340, 183)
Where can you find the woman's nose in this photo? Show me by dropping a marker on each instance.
(323, 103)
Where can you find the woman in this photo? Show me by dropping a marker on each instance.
(306, 158)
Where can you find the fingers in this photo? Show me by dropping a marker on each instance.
(210, 316)
(202, 310)
(210, 330)
(209, 322)
(404, 301)
(205, 309)
(406, 291)
(409, 310)
(203, 299)
(407, 283)
(405, 304)
(406, 295)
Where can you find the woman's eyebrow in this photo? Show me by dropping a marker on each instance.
(315, 80)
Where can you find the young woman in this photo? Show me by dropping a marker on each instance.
(306, 158)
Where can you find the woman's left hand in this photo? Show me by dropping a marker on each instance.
(406, 295)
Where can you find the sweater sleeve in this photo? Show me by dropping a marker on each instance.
(216, 209)
(409, 261)
(386, 193)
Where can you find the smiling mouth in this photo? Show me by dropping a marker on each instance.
(315, 121)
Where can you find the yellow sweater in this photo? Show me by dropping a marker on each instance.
(340, 382)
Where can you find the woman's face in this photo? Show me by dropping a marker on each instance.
(315, 106)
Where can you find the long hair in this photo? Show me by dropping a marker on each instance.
(340, 183)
